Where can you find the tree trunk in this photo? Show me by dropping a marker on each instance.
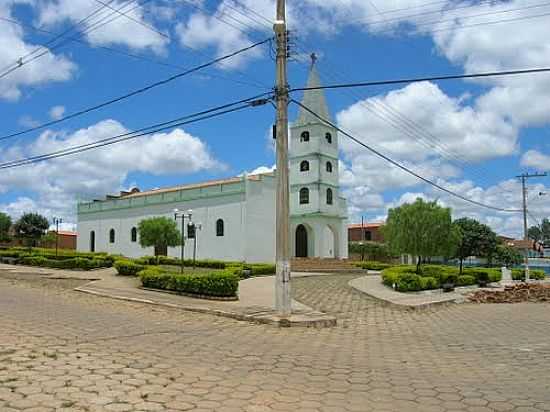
(418, 263)
(461, 265)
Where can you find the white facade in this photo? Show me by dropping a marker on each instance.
(245, 205)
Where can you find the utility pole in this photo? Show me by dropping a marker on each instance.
(57, 221)
(524, 178)
(282, 278)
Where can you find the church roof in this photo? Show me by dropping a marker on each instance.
(313, 99)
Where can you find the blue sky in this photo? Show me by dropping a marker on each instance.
(472, 137)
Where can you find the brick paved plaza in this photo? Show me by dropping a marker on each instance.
(61, 350)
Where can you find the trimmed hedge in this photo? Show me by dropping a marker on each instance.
(128, 268)
(519, 274)
(221, 284)
(75, 263)
(406, 279)
(373, 265)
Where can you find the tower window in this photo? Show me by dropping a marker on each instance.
(304, 137)
(134, 234)
(304, 166)
(112, 236)
(304, 196)
(329, 196)
(329, 167)
(328, 137)
(219, 228)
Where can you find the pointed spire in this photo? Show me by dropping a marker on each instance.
(313, 99)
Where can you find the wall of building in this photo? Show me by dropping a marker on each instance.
(355, 234)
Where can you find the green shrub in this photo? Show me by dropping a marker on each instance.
(259, 269)
(34, 261)
(221, 284)
(428, 283)
(519, 274)
(408, 282)
(449, 277)
(373, 265)
(494, 275)
(128, 268)
(466, 280)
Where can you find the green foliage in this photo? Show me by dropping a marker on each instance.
(31, 227)
(477, 239)
(507, 256)
(421, 229)
(159, 232)
(373, 265)
(408, 282)
(259, 269)
(73, 263)
(519, 274)
(370, 250)
(466, 280)
(494, 275)
(221, 284)
(128, 268)
(541, 233)
(428, 283)
(5, 225)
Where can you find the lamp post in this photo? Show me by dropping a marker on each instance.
(182, 215)
(193, 228)
(57, 221)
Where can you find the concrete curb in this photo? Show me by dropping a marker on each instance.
(401, 300)
(257, 315)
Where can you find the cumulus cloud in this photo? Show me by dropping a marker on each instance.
(536, 160)
(59, 183)
(57, 112)
(125, 31)
(48, 68)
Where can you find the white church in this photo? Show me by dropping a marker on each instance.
(235, 218)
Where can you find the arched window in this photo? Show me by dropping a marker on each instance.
(219, 227)
(304, 196)
(329, 167)
(328, 137)
(133, 234)
(304, 137)
(304, 166)
(92, 241)
(329, 196)
(112, 236)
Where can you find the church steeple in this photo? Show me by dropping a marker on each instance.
(313, 99)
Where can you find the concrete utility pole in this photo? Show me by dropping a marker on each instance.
(57, 221)
(282, 278)
(524, 178)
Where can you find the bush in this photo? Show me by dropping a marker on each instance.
(373, 265)
(34, 261)
(75, 263)
(428, 283)
(408, 282)
(128, 268)
(494, 275)
(466, 280)
(222, 284)
(519, 274)
(259, 269)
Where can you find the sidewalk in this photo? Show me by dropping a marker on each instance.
(256, 297)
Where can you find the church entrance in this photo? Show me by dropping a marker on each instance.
(301, 241)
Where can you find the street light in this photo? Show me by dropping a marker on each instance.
(182, 215)
(192, 233)
(57, 221)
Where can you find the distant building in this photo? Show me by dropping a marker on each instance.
(66, 240)
(369, 232)
(237, 215)
(535, 249)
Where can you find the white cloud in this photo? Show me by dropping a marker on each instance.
(536, 160)
(28, 122)
(59, 183)
(57, 112)
(46, 69)
(117, 30)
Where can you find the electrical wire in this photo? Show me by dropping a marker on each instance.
(135, 92)
(253, 101)
(399, 165)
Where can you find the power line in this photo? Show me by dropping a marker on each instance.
(399, 165)
(425, 79)
(135, 92)
(253, 101)
(127, 54)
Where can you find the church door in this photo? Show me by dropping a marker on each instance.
(301, 241)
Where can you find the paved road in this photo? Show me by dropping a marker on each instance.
(65, 351)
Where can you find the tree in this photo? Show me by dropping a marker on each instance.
(160, 233)
(422, 229)
(477, 240)
(5, 225)
(507, 256)
(541, 233)
(31, 227)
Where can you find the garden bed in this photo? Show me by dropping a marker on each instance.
(513, 294)
(47, 258)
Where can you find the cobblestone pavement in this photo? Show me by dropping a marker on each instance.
(65, 351)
